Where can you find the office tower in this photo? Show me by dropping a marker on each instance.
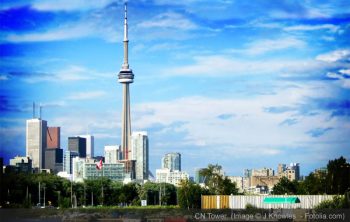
(139, 152)
(68, 161)
(296, 168)
(77, 144)
(281, 168)
(112, 154)
(89, 145)
(198, 178)
(126, 77)
(78, 169)
(54, 159)
(53, 137)
(36, 142)
(172, 161)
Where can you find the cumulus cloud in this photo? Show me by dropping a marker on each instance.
(334, 56)
(249, 125)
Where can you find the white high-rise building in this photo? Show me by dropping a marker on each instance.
(36, 142)
(174, 177)
(139, 152)
(78, 169)
(68, 161)
(89, 145)
(112, 154)
(172, 161)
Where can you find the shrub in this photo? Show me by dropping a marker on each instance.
(338, 202)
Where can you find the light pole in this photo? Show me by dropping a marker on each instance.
(44, 195)
(71, 193)
(39, 195)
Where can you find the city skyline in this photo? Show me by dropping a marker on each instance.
(244, 85)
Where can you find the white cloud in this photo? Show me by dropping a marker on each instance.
(345, 71)
(263, 46)
(329, 27)
(328, 38)
(220, 65)
(169, 20)
(344, 82)
(61, 33)
(251, 129)
(98, 24)
(68, 5)
(71, 73)
(87, 95)
(334, 55)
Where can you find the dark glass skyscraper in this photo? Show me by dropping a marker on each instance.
(77, 144)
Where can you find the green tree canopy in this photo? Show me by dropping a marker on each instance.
(216, 182)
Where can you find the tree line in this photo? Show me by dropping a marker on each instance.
(334, 179)
(23, 190)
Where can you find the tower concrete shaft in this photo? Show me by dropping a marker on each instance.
(126, 77)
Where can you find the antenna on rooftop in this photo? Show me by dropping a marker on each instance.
(40, 109)
(33, 110)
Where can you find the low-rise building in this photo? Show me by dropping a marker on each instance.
(174, 177)
(20, 164)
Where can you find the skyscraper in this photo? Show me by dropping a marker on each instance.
(36, 142)
(126, 77)
(77, 144)
(172, 161)
(53, 159)
(68, 161)
(89, 145)
(139, 152)
(53, 137)
(112, 154)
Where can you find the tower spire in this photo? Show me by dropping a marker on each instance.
(126, 40)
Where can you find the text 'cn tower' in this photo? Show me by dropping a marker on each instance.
(126, 77)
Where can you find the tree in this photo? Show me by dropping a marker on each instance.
(285, 186)
(189, 195)
(338, 176)
(216, 182)
(315, 183)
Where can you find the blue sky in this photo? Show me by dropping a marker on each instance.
(245, 84)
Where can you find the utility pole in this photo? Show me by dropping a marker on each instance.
(102, 195)
(71, 193)
(84, 195)
(160, 194)
(39, 195)
(92, 198)
(27, 194)
(44, 196)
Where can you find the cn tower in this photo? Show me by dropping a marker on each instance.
(126, 77)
